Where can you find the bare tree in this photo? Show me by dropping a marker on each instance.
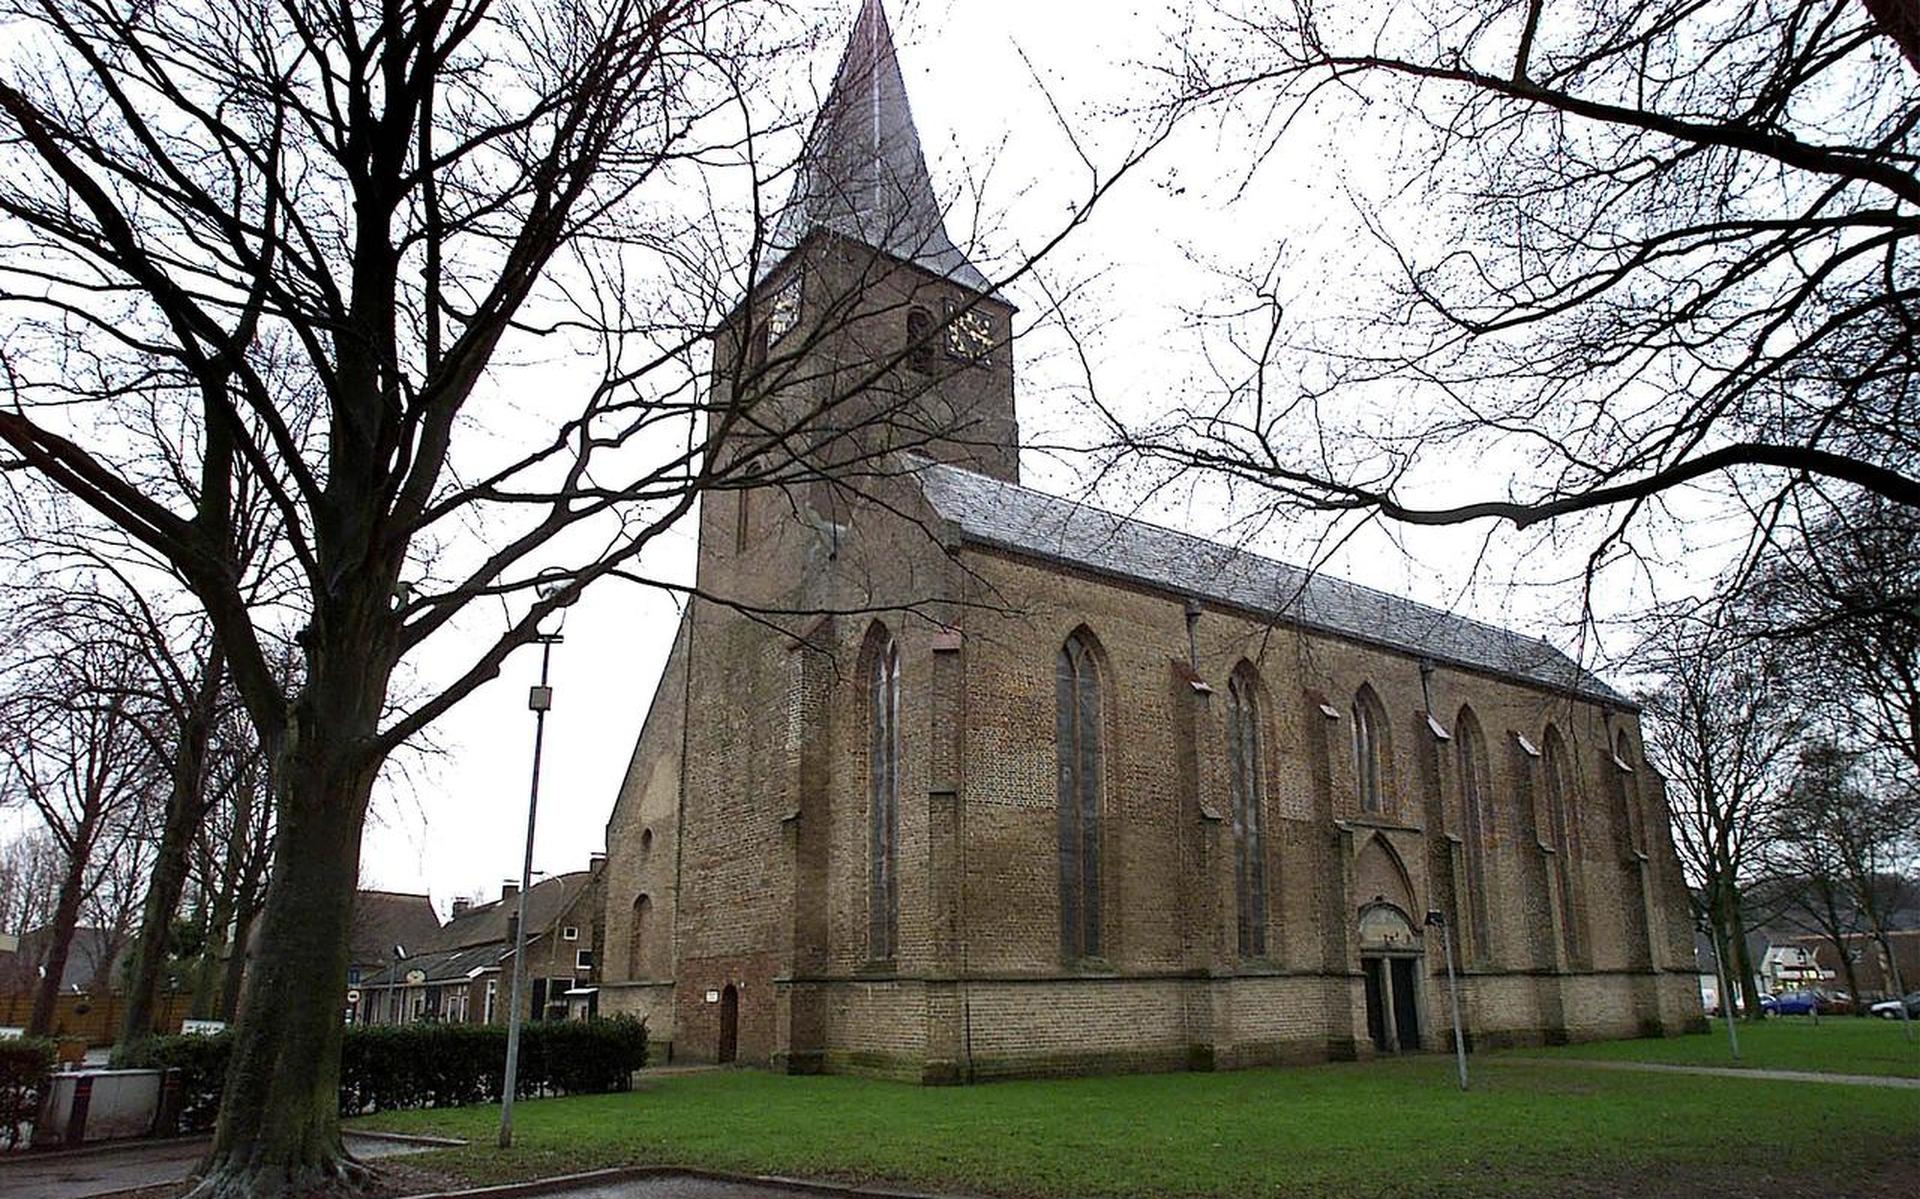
(1839, 600)
(1850, 839)
(413, 201)
(29, 880)
(1718, 728)
(72, 748)
(1662, 248)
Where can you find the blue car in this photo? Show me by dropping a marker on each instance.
(1794, 1003)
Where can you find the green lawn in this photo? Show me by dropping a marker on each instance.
(1386, 1128)
(1837, 1045)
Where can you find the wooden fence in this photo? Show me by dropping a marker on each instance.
(96, 1019)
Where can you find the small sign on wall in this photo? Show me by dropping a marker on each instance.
(713, 997)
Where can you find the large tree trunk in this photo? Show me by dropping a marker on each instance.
(233, 975)
(1743, 958)
(279, 1127)
(66, 915)
(156, 915)
(186, 811)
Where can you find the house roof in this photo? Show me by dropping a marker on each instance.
(1006, 515)
(862, 172)
(93, 956)
(384, 919)
(442, 965)
(546, 901)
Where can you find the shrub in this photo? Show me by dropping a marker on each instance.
(202, 1063)
(387, 1067)
(26, 1065)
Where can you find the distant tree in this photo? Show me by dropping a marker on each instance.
(1839, 602)
(1719, 729)
(1652, 252)
(1850, 842)
(29, 879)
(71, 748)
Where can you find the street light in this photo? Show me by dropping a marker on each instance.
(539, 701)
(1437, 919)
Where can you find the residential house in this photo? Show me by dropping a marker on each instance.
(462, 974)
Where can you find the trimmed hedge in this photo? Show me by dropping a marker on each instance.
(387, 1067)
(26, 1066)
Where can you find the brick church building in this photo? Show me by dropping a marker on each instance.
(1034, 788)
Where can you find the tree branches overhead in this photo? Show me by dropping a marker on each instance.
(1628, 253)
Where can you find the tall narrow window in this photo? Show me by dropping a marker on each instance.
(1475, 831)
(1561, 832)
(1077, 735)
(639, 965)
(883, 802)
(1369, 750)
(1632, 828)
(920, 347)
(1249, 830)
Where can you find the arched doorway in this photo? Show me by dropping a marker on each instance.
(729, 1025)
(1390, 967)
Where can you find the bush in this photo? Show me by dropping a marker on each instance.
(26, 1065)
(388, 1067)
(202, 1063)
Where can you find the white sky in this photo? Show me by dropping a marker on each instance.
(454, 827)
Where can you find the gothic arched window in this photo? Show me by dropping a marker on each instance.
(920, 347)
(1631, 827)
(1369, 750)
(1077, 740)
(883, 799)
(639, 964)
(1249, 826)
(1561, 831)
(1476, 830)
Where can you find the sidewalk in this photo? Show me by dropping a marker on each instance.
(1851, 1080)
(79, 1173)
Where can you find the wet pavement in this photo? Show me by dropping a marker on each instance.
(78, 1174)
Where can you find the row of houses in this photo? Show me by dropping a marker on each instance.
(1785, 962)
(461, 972)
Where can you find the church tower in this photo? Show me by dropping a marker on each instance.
(867, 330)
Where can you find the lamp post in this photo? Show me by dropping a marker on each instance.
(1437, 919)
(539, 700)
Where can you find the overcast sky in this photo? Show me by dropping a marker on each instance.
(452, 826)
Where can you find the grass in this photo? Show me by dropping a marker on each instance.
(1837, 1045)
(1385, 1128)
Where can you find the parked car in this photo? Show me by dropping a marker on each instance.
(1804, 1003)
(1889, 1009)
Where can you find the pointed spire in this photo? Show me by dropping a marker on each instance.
(862, 173)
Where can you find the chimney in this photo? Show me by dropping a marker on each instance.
(508, 890)
(460, 906)
(596, 862)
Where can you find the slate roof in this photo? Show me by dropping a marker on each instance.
(862, 173)
(444, 965)
(992, 512)
(88, 960)
(487, 922)
(383, 919)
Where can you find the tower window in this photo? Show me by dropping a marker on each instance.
(920, 339)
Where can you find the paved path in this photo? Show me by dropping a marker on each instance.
(668, 1183)
(78, 1174)
(1851, 1080)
